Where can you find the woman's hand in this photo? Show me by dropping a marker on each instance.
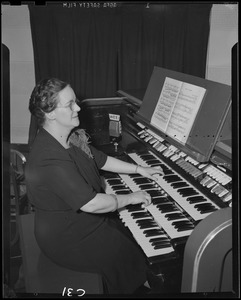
(140, 197)
(149, 172)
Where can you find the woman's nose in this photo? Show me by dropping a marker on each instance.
(77, 106)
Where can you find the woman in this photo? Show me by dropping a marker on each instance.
(73, 222)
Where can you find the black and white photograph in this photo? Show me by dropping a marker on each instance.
(120, 149)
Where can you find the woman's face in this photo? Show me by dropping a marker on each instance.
(66, 112)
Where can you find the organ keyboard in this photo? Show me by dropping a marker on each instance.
(188, 192)
(177, 206)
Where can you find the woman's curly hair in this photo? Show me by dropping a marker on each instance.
(44, 97)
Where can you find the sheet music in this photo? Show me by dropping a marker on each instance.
(166, 102)
(177, 108)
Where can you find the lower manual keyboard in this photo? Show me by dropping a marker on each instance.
(153, 240)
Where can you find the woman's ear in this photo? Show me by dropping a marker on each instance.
(51, 115)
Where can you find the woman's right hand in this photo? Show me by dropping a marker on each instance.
(140, 197)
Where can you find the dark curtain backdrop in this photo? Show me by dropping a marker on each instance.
(101, 50)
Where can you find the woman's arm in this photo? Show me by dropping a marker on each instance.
(103, 203)
(118, 166)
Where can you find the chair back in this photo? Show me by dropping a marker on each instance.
(19, 203)
(17, 168)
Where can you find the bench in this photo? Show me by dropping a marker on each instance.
(42, 276)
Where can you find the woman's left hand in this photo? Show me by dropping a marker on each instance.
(150, 172)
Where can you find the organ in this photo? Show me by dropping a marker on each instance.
(197, 179)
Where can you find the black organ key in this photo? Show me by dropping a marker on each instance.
(159, 243)
(167, 172)
(189, 189)
(141, 180)
(147, 186)
(123, 192)
(159, 200)
(183, 225)
(153, 164)
(154, 193)
(205, 207)
(164, 241)
(159, 239)
(119, 187)
(144, 221)
(136, 207)
(111, 176)
(171, 178)
(162, 245)
(114, 181)
(164, 167)
(165, 205)
(137, 215)
(187, 192)
(179, 184)
(147, 225)
(196, 199)
(147, 156)
(135, 176)
(152, 161)
(182, 222)
(174, 216)
(207, 210)
(147, 220)
(168, 209)
(152, 232)
(156, 165)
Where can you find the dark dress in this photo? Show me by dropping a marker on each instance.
(60, 181)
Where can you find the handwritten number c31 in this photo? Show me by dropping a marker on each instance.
(69, 291)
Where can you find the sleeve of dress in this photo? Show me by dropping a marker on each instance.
(60, 176)
(99, 156)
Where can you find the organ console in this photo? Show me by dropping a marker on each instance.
(197, 180)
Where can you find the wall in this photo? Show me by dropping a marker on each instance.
(16, 35)
(223, 35)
